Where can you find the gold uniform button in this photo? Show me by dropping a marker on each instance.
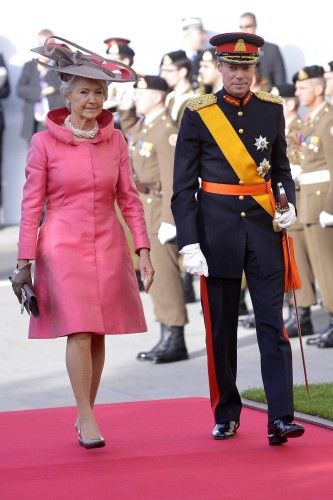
(240, 182)
(318, 192)
(240, 130)
(241, 197)
(240, 113)
(243, 214)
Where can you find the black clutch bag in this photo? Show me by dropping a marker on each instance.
(29, 300)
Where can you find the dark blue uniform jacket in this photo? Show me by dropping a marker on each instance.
(214, 220)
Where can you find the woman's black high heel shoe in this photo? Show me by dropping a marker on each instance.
(89, 443)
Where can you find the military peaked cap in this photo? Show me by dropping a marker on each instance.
(237, 48)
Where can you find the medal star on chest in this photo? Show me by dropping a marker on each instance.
(264, 167)
(261, 143)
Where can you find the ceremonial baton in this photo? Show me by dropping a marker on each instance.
(283, 206)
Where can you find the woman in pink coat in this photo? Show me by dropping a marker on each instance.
(84, 278)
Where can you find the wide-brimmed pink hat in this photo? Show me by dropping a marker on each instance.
(82, 62)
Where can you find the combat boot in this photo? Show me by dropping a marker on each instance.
(304, 315)
(326, 337)
(173, 347)
(149, 355)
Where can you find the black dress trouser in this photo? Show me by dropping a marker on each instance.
(220, 301)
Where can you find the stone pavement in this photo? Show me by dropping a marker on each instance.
(33, 373)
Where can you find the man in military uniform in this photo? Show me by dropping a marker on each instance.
(118, 49)
(194, 40)
(152, 143)
(306, 296)
(235, 142)
(209, 70)
(316, 181)
(329, 82)
(211, 77)
(175, 69)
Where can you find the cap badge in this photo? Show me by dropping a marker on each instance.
(261, 143)
(142, 84)
(167, 60)
(240, 46)
(114, 48)
(207, 56)
(302, 75)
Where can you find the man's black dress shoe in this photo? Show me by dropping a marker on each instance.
(280, 430)
(225, 430)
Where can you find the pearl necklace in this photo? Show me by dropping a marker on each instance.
(85, 134)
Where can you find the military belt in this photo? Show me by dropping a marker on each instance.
(315, 177)
(236, 189)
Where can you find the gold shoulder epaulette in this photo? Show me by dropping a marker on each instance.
(266, 96)
(201, 102)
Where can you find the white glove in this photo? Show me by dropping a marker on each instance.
(166, 232)
(286, 219)
(325, 219)
(295, 171)
(194, 260)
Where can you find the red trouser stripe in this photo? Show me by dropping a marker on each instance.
(213, 385)
(285, 333)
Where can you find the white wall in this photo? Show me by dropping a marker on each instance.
(302, 30)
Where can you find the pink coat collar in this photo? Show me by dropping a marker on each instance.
(55, 124)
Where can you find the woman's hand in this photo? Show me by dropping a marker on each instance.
(146, 269)
(20, 277)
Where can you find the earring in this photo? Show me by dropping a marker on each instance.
(68, 103)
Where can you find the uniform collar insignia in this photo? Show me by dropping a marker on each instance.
(237, 102)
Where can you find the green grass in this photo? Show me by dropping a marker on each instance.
(318, 402)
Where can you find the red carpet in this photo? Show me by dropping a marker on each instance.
(158, 450)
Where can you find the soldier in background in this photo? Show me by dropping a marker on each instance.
(176, 70)
(209, 72)
(194, 41)
(152, 145)
(306, 295)
(328, 75)
(118, 49)
(316, 187)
